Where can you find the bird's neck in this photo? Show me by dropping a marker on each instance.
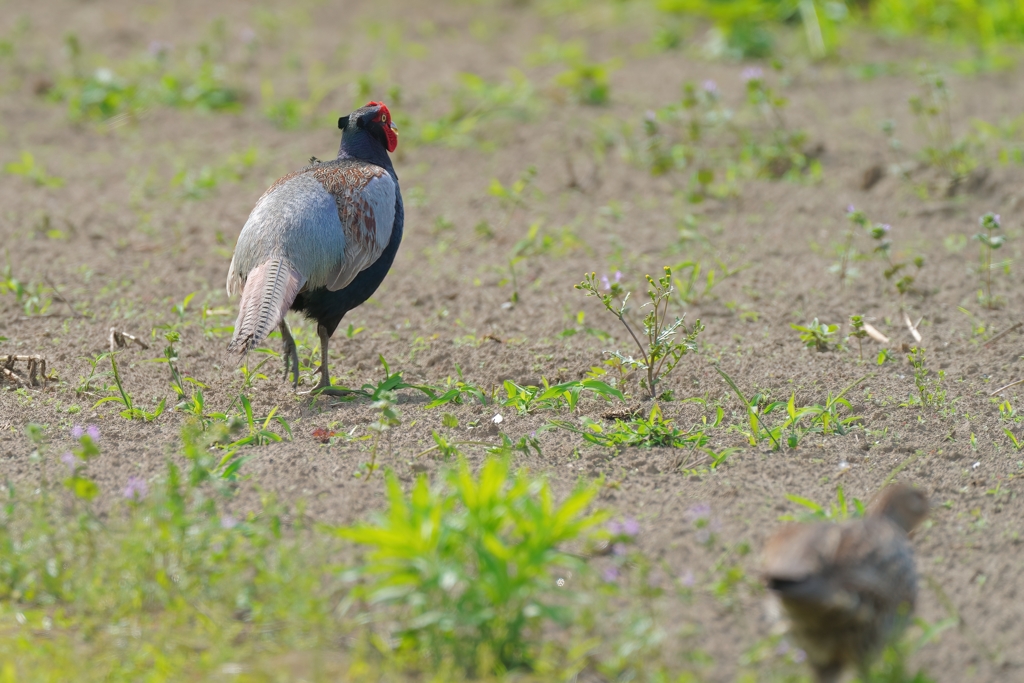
(365, 148)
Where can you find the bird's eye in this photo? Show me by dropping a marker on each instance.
(383, 118)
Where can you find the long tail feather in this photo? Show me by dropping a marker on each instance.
(270, 289)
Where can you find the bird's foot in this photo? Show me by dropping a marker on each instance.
(291, 360)
(325, 387)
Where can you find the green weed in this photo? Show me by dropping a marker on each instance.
(529, 399)
(929, 389)
(654, 430)
(839, 511)
(27, 168)
(858, 332)
(944, 150)
(799, 421)
(192, 183)
(896, 272)
(127, 90)
(717, 146)
(130, 411)
(989, 242)
(33, 297)
(815, 335)
(468, 567)
(662, 350)
(475, 103)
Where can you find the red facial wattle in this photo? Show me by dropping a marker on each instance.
(384, 118)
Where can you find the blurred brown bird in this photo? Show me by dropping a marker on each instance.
(849, 588)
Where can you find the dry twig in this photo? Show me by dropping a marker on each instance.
(120, 339)
(875, 334)
(1005, 332)
(36, 369)
(1004, 388)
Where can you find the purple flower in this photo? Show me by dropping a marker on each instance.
(611, 574)
(77, 431)
(651, 115)
(799, 656)
(631, 527)
(688, 579)
(782, 648)
(698, 511)
(228, 522)
(69, 460)
(136, 489)
(710, 87)
(606, 284)
(93, 431)
(614, 528)
(886, 227)
(850, 208)
(619, 549)
(752, 73)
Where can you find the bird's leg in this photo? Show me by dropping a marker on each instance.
(290, 353)
(324, 385)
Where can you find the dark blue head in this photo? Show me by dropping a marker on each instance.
(368, 132)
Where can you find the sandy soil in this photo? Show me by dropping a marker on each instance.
(130, 247)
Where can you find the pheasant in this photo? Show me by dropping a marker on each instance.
(848, 588)
(320, 241)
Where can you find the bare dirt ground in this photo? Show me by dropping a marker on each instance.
(119, 245)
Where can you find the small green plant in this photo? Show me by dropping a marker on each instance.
(847, 252)
(1018, 444)
(931, 107)
(468, 567)
(191, 402)
(293, 112)
(26, 167)
(858, 332)
(258, 431)
(816, 335)
(135, 85)
(990, 240)
(839, 511)
(716, 146)
(528, 399)
(456, 391)
(662, 349)
(588, 82)
(692, 289)
(197, 183)
(33, 297)
(130, 411)
(929, 389)
(475, 103)
(799, 421)
(388, 418)
(81, 485)
(85, 384)
(894, 271)
(514, 196)
(160, 545)
(653, 430)
(777, 151)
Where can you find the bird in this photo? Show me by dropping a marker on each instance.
(848, 588)
(320, 241)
